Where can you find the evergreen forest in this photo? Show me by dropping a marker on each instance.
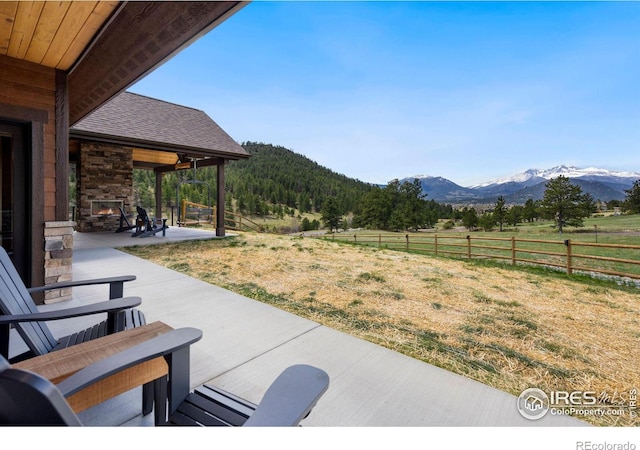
(276, 182)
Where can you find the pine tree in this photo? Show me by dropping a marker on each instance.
(330, 214)
(632, 199)
(565, 203)
(530, 212)
(469, 218)
(500, 212)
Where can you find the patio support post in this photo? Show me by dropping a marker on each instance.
(158, 195)
(220, 194)
(62, 147)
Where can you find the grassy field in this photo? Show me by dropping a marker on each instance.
(511, 328)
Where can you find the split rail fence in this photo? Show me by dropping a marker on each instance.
(195, 214)
(572, 256)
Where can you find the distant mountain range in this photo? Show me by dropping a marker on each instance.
(602, 184)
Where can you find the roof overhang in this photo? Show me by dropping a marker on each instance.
(104, 46)
(157, 156)
(191, 152)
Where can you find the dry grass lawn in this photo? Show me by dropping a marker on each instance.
(508, 328)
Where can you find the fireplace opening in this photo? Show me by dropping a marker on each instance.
(106, 207)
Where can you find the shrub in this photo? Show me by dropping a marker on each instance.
(448, 225)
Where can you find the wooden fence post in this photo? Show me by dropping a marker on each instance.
(435, 244)
(567, 242)
(379, 240)
(469, 246)
(407, 238)
(513, 251)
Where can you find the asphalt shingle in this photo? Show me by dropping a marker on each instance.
(156, 123)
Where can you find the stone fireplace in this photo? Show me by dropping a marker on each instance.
(105, 182)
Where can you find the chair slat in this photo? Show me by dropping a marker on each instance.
(196, 416)
(206, 411)
(14, 300)
(220, 396)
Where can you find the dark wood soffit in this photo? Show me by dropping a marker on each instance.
(140, 37)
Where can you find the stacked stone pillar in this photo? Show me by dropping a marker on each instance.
(58, 246)
(106, 173)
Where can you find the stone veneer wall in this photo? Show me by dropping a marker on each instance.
(58, 247)
(104, 172)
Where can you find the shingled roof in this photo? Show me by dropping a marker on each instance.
(136, 120)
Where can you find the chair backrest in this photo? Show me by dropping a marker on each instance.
(15, 299)
(142, 213)
(123, 215)
(29, 399)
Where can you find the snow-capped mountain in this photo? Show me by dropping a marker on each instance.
(602, 184)
(533, 176)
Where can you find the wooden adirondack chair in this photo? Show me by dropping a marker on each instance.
(125, 225)
(145, 226)
(20, 311)
(29, 399)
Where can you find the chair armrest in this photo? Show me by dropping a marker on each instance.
(162, 345)
(113, 282)
(94, 308)
(290, 397)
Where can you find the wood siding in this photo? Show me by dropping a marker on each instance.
(31, 86)
(28, 96)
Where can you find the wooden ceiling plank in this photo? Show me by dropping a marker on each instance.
(94, 23)
(7, 17)
(153, 156)
(52, 15)
(71, 27)
(27, 17)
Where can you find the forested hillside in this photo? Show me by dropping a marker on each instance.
(278, 176)
(273, 181)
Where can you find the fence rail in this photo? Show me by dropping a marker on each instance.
(569, 255)
(194, 214)
(238, 222)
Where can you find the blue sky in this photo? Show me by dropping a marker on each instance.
(470, 91)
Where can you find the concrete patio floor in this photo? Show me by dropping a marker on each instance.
(247, 343)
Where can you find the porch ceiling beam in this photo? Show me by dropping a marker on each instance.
(139, 37)
(208, 162)
(153, 157)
